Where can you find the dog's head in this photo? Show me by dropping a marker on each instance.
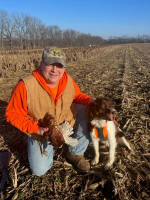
(101, 108)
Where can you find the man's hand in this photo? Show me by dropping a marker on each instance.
(54, 135)
(42, 130)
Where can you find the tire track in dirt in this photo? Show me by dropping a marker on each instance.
(135, 111)
(111, 75)
(136, 83)
(136, 93)
(103, 75)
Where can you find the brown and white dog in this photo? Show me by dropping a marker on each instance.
(101, 115)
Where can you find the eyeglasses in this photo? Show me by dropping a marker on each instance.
(58, 65)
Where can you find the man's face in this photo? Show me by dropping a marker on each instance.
(52, 72)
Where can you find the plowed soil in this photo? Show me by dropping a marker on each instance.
(121, 72)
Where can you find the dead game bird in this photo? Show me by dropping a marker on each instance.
(57, 133)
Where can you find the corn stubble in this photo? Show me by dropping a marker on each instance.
(121, 72)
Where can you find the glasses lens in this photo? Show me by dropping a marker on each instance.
(58, 65)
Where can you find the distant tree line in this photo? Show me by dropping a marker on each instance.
(24, 32)
(126, 39)
(20, 31)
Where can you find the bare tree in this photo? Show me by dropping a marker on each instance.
(70, 37)
(9, 30)
(19, 28)
(3, 19)
(33, 31)
(54, 35)
(42, 35)
(29, 32)
(84, 39)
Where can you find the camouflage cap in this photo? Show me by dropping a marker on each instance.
(53, 55)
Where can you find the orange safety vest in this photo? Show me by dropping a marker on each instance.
(98, 131)
(105, 135)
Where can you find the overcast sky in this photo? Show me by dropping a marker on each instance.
(104, 18)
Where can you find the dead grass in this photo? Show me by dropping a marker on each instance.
(119, 72)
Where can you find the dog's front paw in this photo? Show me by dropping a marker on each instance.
(95, 161)
(109, 165)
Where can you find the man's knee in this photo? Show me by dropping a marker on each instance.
(39, 164)
(40, 171)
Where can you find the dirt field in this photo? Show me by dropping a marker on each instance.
(121, 72)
